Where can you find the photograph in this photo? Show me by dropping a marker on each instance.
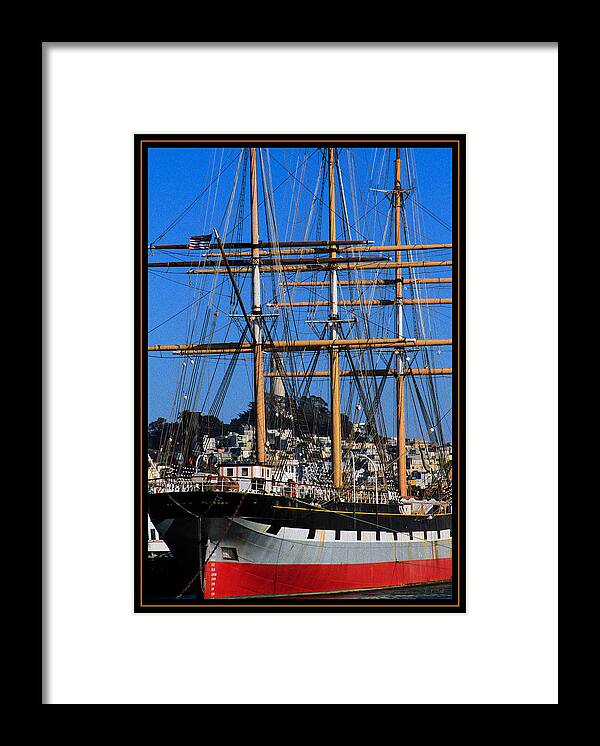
(300, 372)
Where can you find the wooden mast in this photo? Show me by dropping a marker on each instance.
(400, 408)
(377, 372)
(259, 379)
(322, 283)
(302, 345)
(367, 302)
(344, 264)
(334, 360)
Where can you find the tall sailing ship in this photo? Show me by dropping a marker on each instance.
(298, 510)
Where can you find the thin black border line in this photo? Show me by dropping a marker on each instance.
(458, 144)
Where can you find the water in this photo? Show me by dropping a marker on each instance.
(437, 592)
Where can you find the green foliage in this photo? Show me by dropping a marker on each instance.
(307, 416)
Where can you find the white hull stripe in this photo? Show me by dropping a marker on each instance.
(305, 534)
(245, 541)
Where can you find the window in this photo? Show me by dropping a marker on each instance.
(229, 553)
(229, 472)
(244, 472)
(152, 534)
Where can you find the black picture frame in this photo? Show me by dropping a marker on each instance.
(457, 142)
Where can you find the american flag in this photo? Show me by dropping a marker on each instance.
(200, 242)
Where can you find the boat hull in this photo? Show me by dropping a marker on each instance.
(245, 560)
(249, 546)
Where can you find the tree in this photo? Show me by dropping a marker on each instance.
(307, 416)
(155, 432)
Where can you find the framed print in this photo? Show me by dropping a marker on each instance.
(300, 373)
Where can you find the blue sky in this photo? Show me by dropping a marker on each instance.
(180, 177)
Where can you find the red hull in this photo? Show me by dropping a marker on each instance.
(227, 579)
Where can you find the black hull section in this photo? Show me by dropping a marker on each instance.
(181, 535)
(278, 512)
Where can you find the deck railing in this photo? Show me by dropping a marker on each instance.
(301, 493)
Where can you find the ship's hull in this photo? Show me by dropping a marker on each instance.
(259, 548)
(244, 560)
